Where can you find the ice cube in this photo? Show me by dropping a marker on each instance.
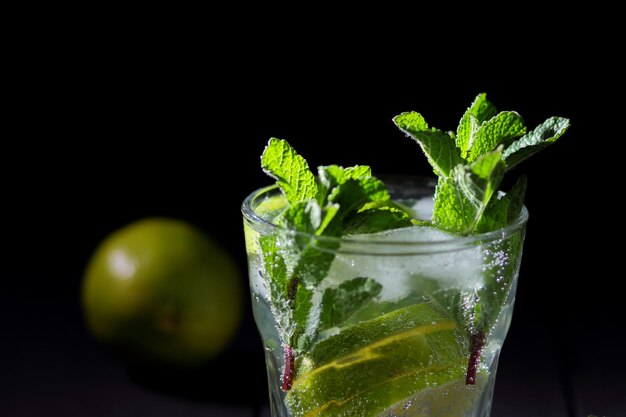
(401, 274)
(423, 208)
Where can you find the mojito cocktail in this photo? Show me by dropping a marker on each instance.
(391, 298)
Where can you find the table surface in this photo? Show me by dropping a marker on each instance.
(52, 367)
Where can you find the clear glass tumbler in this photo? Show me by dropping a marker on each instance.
(408, 322)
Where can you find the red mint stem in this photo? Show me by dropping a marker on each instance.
(289, 367)
(478, 342)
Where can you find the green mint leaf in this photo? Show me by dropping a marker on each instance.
(500, 129)
(333, 176)
(300, 225)
(314, 262)
(452, 211)
(352, 195)
(504, 210)
(304, 216)
(542, 136)
(462, 198)
(376, 220)
(346, 192)
(483, 178)
(329, 213)
(480, 111)
(291, 171)
(349, 195)
(340, 302)
(439, 147)
(342, 195)
(467, 201)
(303, 335)
(411, 121)
(468, 181)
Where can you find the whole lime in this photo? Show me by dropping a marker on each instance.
(161, 291)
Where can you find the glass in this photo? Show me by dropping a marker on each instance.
(425, 343)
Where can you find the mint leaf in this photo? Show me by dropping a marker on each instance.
(502, 211)
(500, 129)
(467, 201)
(304, 216)
(339, 303)
(333, 175)
(300, 225)
(461, 199)
(314, 262)
(303, 334)
(487, 144)
(282, 162)
(452, 211)
(439, 147)
(376, 220)
(483, 178)
(542, 136)
(480, 111)
(352, 195)
(297, 257)
(329, 213)
(411, 121)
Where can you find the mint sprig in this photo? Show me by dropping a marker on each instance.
(543, 135)
(337, 202)
(341, 302)
(480, 111)
(291, 171)
(471, 166)
(439, 147)
(462, 198)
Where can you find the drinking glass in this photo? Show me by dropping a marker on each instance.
(423, 340)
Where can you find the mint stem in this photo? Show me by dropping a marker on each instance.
(478, 342)
(287, 380)
(292, 290)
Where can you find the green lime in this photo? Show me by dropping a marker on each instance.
(369, 367)
(163, 292)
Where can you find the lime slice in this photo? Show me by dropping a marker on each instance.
(374, 365)
(453, 399)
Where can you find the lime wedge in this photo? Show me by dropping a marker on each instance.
(372, 366)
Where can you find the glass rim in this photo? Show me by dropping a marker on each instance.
(352, 244)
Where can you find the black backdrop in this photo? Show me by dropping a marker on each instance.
(109, 132)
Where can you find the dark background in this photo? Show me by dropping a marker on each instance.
(109, 130)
